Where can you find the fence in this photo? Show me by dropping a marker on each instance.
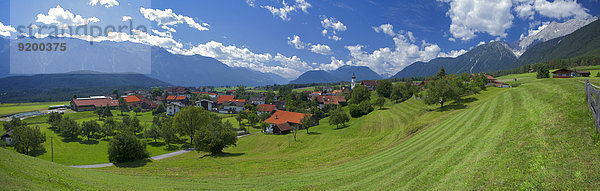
(592, 95)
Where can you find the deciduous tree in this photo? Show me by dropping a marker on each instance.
(89, 128)
(28, 139)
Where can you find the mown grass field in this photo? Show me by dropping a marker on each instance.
(13, 108)
(535, 136)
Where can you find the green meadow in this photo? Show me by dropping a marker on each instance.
(537, 136)
(13, 108)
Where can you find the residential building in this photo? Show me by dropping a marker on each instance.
(174, 107)
(206, 104)
(7, 137)
(266, 108)
(280, 120)
(370, 84)
(257, 100)
(233, 106)
(330, 100)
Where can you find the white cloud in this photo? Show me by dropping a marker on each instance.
(334, 37)
(162, 34)
(386, 29)
(126, 18)
(168, 18)
(334, 27)
(453, 53)
(252, 3)
(5, 30)
(296, 42)
(106, 3)
(479, 16)
(64, 18)
(284, 11)
(388, 61)
(321, 49)
(288, 67)
(559, 9)
(334, 64)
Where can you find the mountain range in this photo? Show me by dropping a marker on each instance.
(343, 73)
(127, 57)
(484, 58)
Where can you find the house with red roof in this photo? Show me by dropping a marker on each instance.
(282, 122)
(266, 108)
(132, 101)
(91, 103)
(330, 100)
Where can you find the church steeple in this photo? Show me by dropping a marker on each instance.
(353, 81)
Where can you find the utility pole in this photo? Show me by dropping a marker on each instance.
(52, 147)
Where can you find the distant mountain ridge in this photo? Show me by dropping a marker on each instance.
(584, 41)
(61, 87)
(484, 58)
(343, 73)
(106, 57)
(551, 31)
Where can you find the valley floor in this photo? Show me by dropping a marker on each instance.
(535, 136)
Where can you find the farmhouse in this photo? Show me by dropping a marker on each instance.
(566, 73)
(257, 100)
(370, 84)
(333, 100)
(132, 101)
(178, 91)
(7, 137)
(91, 103)
(280, 120)
(266, 108)
(491, 81)
(233, 106)
(206, 104)
(174, 107)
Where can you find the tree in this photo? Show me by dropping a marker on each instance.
(384, 88)
(542, 71)
(441, 74)
(156, 92)
(166, 130)
(123, 105)
(338, 117)
(214, 136)
(239, 119)
(116, 92)
(137, 110)
(240, 92)
(263, 126)
(285, 90)
(125, 147)
(160, 109)
(440, 91)
(69, 128)
(152, 132)
(28, 139)
(14, 123)
(108, 129)
(107, 112)
(89, 128)
(358, 110)
(99, 111)
(380, 102)
(54, 118)
(135, 125)
(359, 94)
(253, 119)
(190, 120)
(307, 121)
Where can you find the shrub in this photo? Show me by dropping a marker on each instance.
(358, 110)
(125, 147)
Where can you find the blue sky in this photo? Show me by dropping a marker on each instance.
(288, 37)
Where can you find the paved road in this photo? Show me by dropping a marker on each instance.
(153, 158)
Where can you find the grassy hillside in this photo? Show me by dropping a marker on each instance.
(535, 136)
